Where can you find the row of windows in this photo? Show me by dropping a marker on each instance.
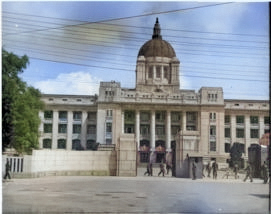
(62, 128)
(62, 143)
(240, 133)
(63, 115)
(240, 119)
(156, 72)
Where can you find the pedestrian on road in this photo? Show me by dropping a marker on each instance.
(227, 174)
(235, 170)
(208, 169)
(248, 173)
(265, 172)
(215, 168)
(162, 169)
(149, 169)
(168, 167)
(194, 169)
(8, 167)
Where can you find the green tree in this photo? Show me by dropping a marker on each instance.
(20, 106)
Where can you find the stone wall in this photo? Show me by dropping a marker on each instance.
(57, 162)
(127, 156)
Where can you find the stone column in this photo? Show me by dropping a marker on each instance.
(83, 137)
(55, 129)
(152, 131)
(184, 121)
(69, 131)
(122, 122)
(233, 128)
(168, 132)
(137, 131)
(261, 126)
(247, 134)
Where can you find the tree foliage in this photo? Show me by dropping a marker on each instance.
(20, 106)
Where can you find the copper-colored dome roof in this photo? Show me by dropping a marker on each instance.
(157, 46)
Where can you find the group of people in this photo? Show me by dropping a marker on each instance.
(162, 169)
(209, 168)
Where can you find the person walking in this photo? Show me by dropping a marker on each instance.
(194, 168)
(8, 167)
(235, 170)
(149, 169)
(162, 169)
(248, 173)
(265, 172)
(215, 168)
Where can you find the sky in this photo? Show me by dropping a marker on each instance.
(73, 46)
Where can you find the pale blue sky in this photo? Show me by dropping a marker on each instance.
(222, 45)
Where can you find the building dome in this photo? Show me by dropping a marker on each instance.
(157, 46)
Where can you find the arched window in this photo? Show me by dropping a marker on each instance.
(47, 143)
(61, 143)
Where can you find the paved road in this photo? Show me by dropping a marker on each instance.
(86, 194)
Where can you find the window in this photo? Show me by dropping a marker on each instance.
(62, 115)
(129, 116)
(109, 113)
(191, 121)
(160, 116)
(92, 116)
(47, 143)
(62, 128)
(158, 71)
(61, 144)
(175, 116)
(144, 130)
(266, 120)
(240, 133)
(108, 127)
(150, 73)
(48, 114)
(227, 132)
(175, 130)
(212, 116)
(77, 115)
(254, 120)
(212, 131)
(227, 119)
(254, 133)
(160, 130)
(91, 129)
(144, 157)
(144, 116)
(76, 129)
(76, 145)
(47, 127)
(240, 119)
(166, 72)
(213, 146)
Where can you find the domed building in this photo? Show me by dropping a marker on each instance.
(154, 122)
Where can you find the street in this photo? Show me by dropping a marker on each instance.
(92, 194)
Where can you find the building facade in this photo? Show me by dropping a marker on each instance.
(155, 112)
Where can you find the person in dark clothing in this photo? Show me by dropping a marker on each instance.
(215, 168)
(248, 174)
(149, 169)
(7, 170)
(194, 168)
(162, 169)
(265, 172)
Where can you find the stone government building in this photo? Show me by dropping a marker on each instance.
(154, 115)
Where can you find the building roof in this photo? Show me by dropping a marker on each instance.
(157, 46)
